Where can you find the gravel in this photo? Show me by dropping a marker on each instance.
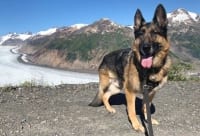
(63, 111)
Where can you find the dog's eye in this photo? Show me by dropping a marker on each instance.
(157, 46)
(139, 32)
(157, 33)
(154, 32)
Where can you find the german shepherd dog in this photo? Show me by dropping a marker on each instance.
(123, 69)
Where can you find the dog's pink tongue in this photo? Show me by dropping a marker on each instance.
(147, 62)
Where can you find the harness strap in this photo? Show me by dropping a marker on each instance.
(146, 89)
(146, 100)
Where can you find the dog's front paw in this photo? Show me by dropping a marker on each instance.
(155, 77)
(139, 128)
(154, 122)
(111, 109)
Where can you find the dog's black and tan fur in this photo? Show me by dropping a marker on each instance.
(122, 69)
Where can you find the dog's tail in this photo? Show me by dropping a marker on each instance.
(97, 101)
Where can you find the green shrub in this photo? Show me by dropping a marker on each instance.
(71, 56)
(29, 83)
(177, 71)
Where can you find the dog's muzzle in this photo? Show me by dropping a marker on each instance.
(146, 52)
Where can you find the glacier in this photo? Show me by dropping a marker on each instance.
(13, 72)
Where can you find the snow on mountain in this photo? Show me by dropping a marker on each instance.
(183, 16)
(47, 32)
(4, 38)
(194, 16)
(109, 22)
(12, 36)
(79, 26)
(130, 26)
(23, 36)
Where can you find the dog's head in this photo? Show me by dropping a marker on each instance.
(151, 38)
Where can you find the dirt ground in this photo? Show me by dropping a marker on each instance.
(63, 111)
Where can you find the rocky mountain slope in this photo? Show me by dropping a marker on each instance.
(82, 46)
(184, 32)
(78, 47)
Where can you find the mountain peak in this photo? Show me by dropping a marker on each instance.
(78, 26)
(47, 32)
(181, 10)
(14, 36)
(106, 21)
(183, 16)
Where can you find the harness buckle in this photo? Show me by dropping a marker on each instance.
(146, 88)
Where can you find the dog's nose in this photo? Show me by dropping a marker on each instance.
(145, 49)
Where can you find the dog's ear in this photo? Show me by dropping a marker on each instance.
(138, 20)
(160, 16)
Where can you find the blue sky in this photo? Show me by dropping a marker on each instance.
(36, 15)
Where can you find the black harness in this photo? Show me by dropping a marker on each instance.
(146, 89)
